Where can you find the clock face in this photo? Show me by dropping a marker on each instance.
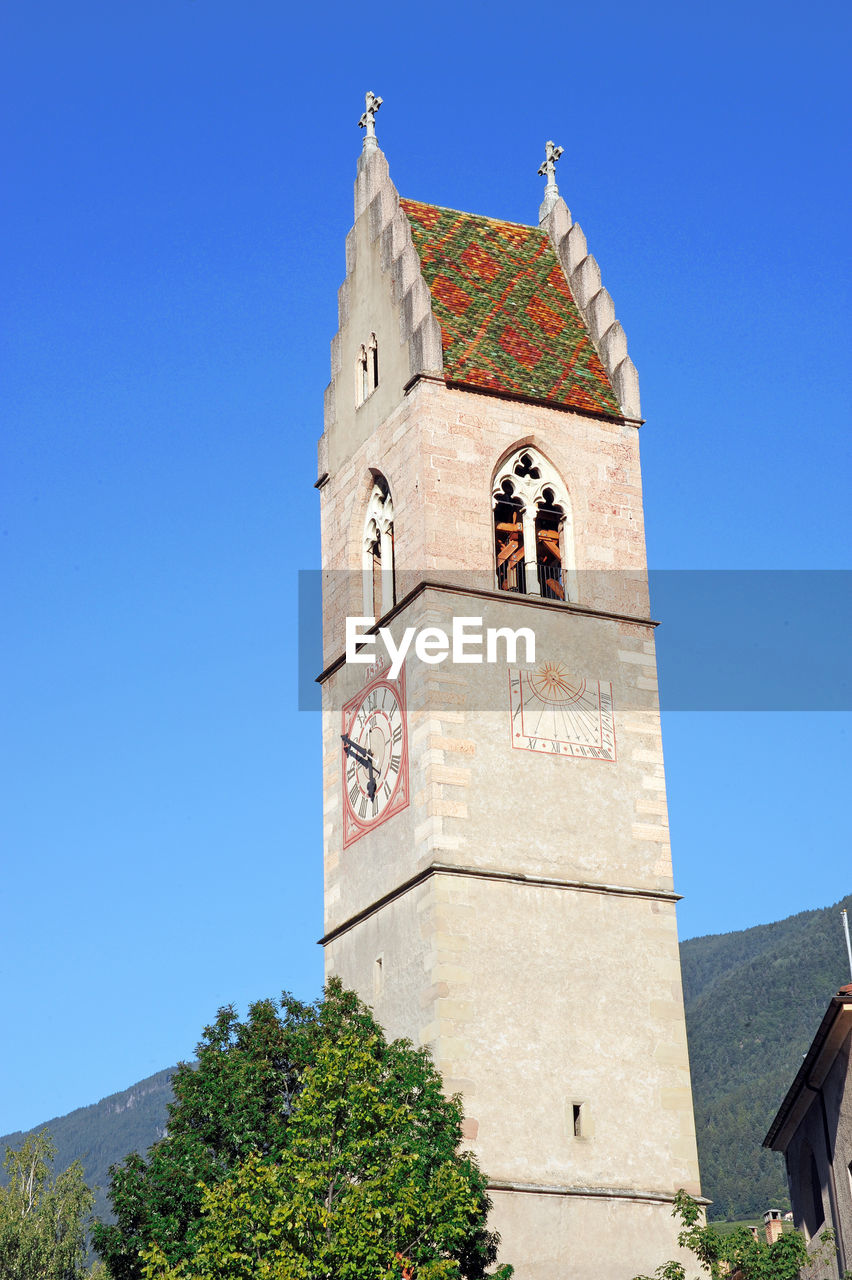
(560, 714)
(375, 757)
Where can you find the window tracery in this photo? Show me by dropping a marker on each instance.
(533, 536)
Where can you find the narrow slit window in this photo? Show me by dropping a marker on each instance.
(361, 376)
(378, 552)
(373, 358)
(577, 1116)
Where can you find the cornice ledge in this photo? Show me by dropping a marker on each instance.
(483, 593)
(587, 1192)
(494, 874)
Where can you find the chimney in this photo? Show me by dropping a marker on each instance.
(773, 1222)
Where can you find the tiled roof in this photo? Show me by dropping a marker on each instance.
(508, 320)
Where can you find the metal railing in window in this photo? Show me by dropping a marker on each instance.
(550, 581)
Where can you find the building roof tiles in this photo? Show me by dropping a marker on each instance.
(508, 321)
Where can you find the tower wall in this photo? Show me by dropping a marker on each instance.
(439, 449)
(517, 915)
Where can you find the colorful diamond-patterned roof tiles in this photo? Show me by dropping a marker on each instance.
(508, 321)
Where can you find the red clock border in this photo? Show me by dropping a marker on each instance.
(353, 828)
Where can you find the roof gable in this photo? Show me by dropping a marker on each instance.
(509, 323)
(831, 1034)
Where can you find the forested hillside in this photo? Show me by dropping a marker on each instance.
(754, 1000)
(101, 1134)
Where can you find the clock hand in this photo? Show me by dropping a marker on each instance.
(364, 757)
(361, 754)
(371, 781)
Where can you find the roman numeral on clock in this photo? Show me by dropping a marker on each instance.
(375, 769)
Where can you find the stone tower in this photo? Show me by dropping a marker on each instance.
(498, 879)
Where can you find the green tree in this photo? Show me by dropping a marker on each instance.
(363, 1177)
(42, 1217)
(233, 1101)
(739, 1256)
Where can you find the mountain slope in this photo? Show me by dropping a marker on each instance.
(105, 1132)
(754, 1000)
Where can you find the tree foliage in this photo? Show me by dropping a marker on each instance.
(42, 1216)
(101, 1134)
(753, 1002)
(234, 1101)
(346, 1166)
(740, 1255)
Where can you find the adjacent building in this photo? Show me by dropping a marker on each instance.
(813, 1131)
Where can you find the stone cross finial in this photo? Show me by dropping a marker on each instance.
(548, 168)
(368, 120)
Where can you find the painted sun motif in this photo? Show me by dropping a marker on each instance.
(551, 682)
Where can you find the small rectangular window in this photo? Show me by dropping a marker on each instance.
(577, 1113)
(379, 976)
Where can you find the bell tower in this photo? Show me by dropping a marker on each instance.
(498, 881)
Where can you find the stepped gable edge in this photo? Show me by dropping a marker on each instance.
(492, 305)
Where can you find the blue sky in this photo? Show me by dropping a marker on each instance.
(177, 191)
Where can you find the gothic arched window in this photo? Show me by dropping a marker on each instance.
(533, 539)
(366, 370)
(378, 558)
